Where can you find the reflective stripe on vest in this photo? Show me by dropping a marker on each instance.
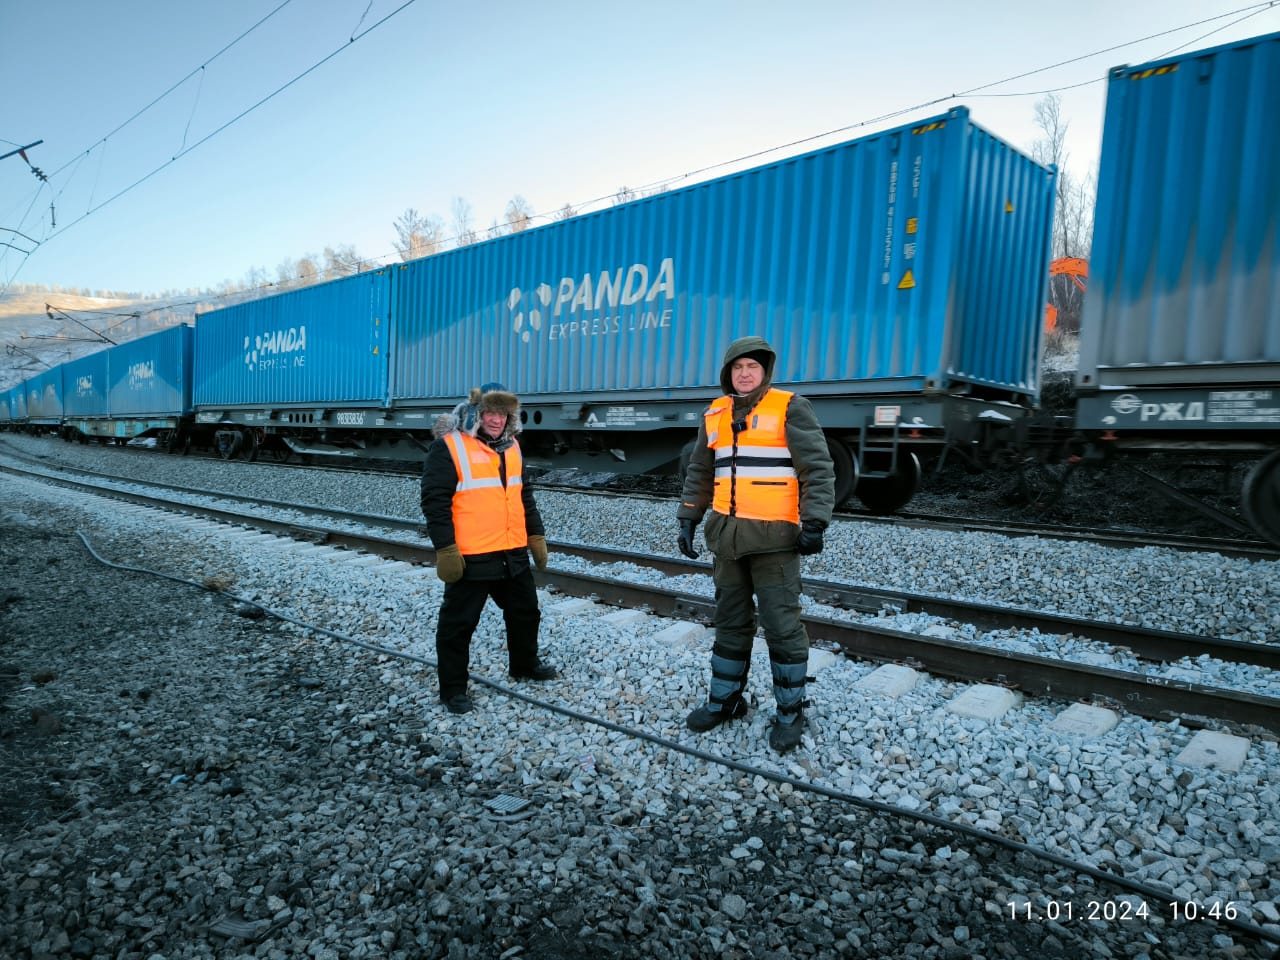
(754, 476)
(486, 516)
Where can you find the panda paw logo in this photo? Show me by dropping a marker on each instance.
(527, 324)
(250, 356)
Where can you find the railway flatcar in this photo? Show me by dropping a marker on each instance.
(84, 383)
(1180, 335)
(12, 407)
(44, 401)
(899, 275)
(303, 371)
(140, 388)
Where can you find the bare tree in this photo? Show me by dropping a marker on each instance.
(1072, 218)
(519, 214)
(308, 270)
(287, 273)
(624, 195)
(256, 277)
(342, 261)
(418, 235)
(463, 233)
(566, 212)
(1073, 204)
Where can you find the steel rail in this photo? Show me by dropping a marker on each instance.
(1161, 646)
(1151, 697)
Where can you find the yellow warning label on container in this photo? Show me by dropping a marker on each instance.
(907, 282)
(1008, 206)
(929, 126)
(912, 224)
(1154, 72)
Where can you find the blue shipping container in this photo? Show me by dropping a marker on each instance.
(151, 376)
(1184, 279)
(9, 403)
(44, 397)
(84, 386)
(322, 345)
(909, 261)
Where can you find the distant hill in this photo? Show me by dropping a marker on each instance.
(32, 337)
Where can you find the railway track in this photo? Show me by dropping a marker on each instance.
(638, 713)
(1244, 546)
(1142, 694)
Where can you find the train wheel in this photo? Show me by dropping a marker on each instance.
(252, 444)
(1261, 497)
(883, 495)
(227, 443)
(846, 469)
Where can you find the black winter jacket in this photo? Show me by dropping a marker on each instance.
(440, 482)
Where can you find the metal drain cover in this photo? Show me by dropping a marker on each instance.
(507, 807)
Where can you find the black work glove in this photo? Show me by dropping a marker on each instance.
(810, 541)
(685, 543)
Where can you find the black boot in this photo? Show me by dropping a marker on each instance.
(728, 680)
(788, 690)
(704, 718)
(786, 736)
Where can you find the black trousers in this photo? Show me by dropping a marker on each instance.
(460, 611)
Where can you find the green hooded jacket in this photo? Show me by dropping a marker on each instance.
(733, 537)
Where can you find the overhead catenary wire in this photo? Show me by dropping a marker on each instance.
(1249, 11)
(238, 117)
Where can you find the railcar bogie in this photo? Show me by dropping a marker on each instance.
(1261, 497)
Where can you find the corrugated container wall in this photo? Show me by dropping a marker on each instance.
(1184, 279)
(320, 345)
(18, 402)
(84, 385)
(911, 260)
(8, 404)
(151, 376)
(44, 396)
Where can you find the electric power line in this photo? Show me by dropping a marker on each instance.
(1248, 11)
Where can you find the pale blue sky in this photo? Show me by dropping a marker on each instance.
(560, 101)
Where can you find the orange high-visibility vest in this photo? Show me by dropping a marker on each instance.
(486, 515)
(754, 476)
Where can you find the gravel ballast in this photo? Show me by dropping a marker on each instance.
(201, 773)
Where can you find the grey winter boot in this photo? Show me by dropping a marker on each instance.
(728, 680)
(788, 692)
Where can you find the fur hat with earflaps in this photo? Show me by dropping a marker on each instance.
(499, 401)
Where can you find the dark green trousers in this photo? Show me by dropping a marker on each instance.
(764, 586)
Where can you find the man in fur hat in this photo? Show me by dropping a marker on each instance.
(762, 466)
(483, 522)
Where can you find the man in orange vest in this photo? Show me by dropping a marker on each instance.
(483, 522)
(762, 465)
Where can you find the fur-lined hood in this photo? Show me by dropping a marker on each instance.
(466, 415)
(758, 349)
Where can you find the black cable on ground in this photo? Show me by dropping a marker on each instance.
(1102, 876)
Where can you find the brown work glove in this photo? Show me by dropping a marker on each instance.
(538, 547)
(449, 563)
